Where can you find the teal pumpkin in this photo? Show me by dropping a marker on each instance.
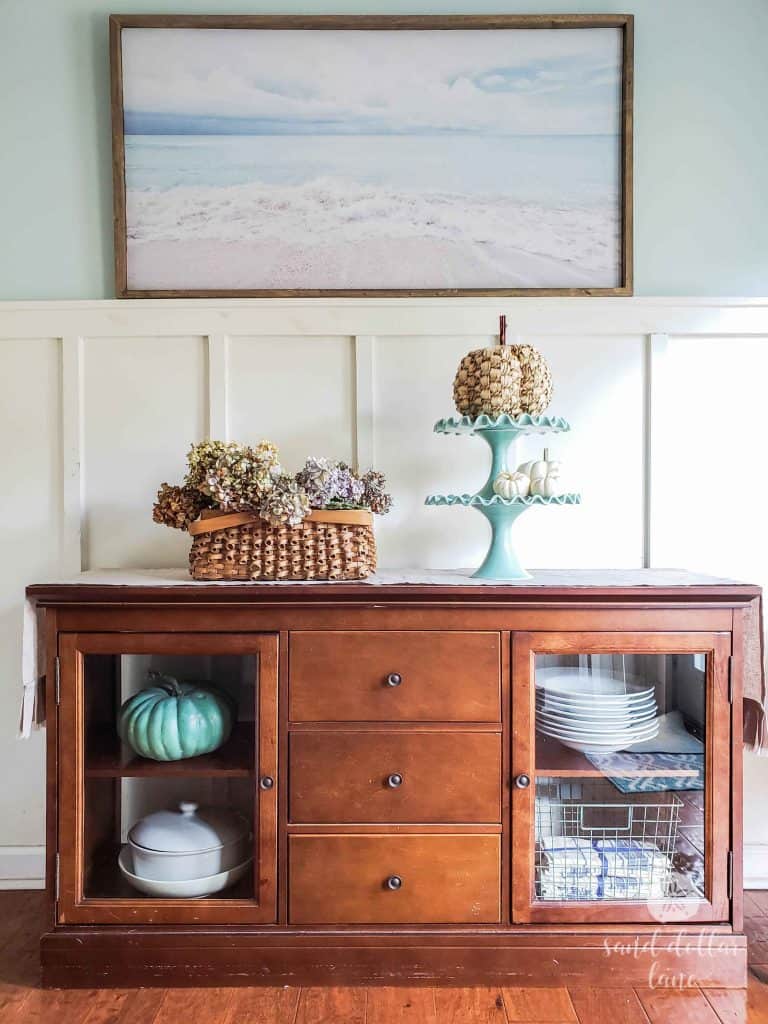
(172, 720)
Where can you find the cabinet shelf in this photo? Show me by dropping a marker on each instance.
(554, 760)
(107, 758)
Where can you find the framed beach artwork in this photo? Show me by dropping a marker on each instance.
(266, 156)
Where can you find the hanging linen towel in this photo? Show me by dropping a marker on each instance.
(32, 711)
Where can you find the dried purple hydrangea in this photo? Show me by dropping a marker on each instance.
(318, 478)
(330, 484)
(347, 486)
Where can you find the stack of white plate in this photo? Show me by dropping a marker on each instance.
(594, 712)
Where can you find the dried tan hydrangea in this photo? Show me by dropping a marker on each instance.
(234, 476)
(177, 507)
(375, 494)
(204, 454)
(286, 504)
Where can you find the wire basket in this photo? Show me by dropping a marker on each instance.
(593, 843)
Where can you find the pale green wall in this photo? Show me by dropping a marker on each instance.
(701, 138)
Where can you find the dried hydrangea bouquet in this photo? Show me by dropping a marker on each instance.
(250, 519)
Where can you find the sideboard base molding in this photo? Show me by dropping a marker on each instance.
(655, 959)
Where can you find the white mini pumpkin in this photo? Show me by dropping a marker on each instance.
(544, 475)
(512, 485)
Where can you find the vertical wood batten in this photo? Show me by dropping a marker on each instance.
(365, 438)
(655, 349)
(218, 386)
(72, 524)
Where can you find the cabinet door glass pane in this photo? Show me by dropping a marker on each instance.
(191, 755)
(620, 777)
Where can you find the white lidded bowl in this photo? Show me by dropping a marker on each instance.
(191, 843)
(190, 889)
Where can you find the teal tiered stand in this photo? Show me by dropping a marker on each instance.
(501, 562)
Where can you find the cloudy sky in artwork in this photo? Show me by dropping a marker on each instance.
(519, 81)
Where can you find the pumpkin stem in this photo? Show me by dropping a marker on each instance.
(169, 683)
(502, 330)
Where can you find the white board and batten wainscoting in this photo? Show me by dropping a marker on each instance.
(99, 401)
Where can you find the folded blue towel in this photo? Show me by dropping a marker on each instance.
(571, 868)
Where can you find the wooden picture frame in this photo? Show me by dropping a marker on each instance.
(129, 285)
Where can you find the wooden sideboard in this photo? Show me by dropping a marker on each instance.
(412, 822)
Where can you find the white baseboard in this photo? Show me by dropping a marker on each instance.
(22, 867)
(756, 865)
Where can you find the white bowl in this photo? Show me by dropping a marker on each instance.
(595, 698)
(596, 748)
(586, 714)
(593, 747)
(602, 722)
(579, 685)
(593, 702)
(591, 727)
(587, 729)
(575, 733)
(593, 742)
(189, 889)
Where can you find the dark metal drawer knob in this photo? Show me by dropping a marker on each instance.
(394, 882)
(394, 679)
(266, 782)
(523, 781)
(394, 780)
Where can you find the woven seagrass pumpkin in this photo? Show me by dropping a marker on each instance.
(488, 380)
(536, 380)
(511, 379)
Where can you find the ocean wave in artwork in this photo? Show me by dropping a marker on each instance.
(330, 233)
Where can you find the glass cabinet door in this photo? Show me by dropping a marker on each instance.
(621, 768)
(168, 778)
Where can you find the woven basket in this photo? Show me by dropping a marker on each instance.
(241, 546)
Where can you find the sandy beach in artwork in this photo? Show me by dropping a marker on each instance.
(338, 237)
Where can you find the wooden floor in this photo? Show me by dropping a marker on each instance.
(21, 999)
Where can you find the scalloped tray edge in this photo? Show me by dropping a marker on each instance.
(466, 424)
(477, 499)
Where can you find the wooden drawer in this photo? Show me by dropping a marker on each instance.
(346, 677)
(341, 777)
(445, 879)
